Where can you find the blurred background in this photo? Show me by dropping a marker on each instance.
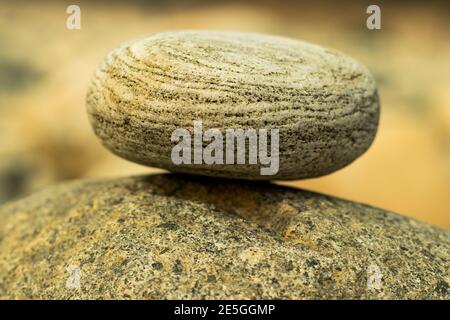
(45, 70)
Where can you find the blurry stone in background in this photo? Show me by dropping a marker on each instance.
(15, 176)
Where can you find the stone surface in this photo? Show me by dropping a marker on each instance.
(168, 236)
(324, 103)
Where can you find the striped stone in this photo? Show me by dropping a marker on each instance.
(324, 103)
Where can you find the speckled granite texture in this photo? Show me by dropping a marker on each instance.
(168, 236)
(324, 103)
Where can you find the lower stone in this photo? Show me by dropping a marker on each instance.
(182, 237)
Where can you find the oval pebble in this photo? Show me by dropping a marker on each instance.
(324, 104)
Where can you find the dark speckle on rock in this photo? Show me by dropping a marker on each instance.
(312, 263)
(177, 267)
(442, 288)
(168, 226)
(157, 265)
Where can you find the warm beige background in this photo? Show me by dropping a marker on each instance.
(45, 70)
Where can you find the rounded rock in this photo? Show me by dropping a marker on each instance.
(324, 104)
(186, 237)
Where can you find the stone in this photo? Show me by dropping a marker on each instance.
(184, 237)
(324, 103)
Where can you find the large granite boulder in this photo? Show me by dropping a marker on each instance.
(169, 237)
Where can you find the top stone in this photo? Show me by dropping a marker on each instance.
(323, 104)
